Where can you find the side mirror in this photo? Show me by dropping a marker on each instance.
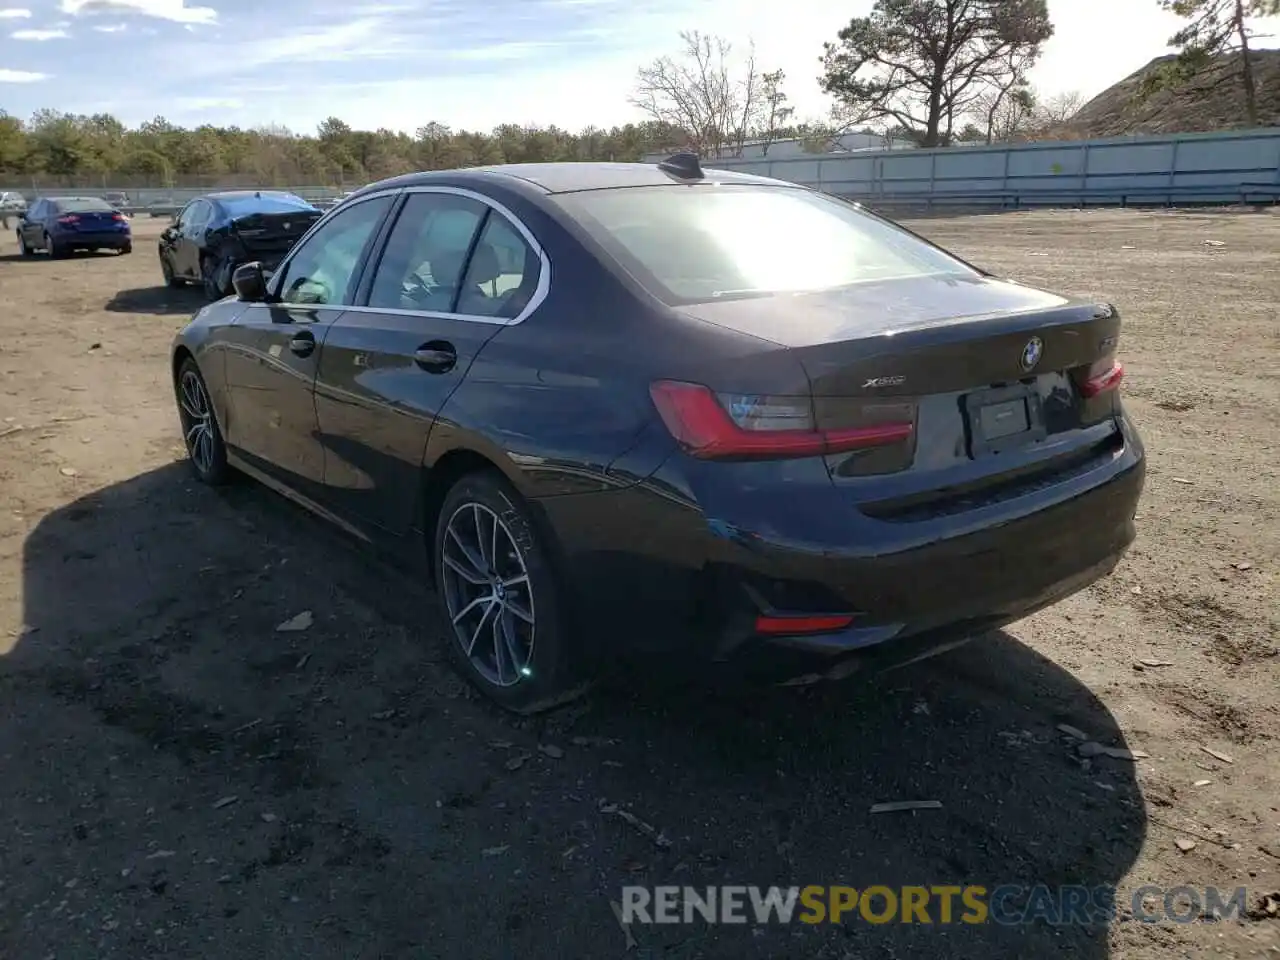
(250, 284)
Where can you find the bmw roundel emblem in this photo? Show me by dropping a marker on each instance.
(1032, 352)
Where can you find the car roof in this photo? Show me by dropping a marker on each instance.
(65, 199)
(243, 194)
(569, 177)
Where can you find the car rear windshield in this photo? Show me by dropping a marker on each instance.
(82, 205)
(695, 243)
(243, 206)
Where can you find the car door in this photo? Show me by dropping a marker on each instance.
(273, 349)
(435, 298)
(35, 225)
(171, 240)
(190, 233)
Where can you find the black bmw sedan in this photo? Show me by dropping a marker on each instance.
(624, 406)
(214, 234)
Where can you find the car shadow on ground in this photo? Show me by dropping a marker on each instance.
(192, 769)
(160, 301)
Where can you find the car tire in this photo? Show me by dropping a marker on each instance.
(170, 279)
(127, 248)
(23, 249)
(200, 431)
(209, 271)
(54, 251)
(514, 647)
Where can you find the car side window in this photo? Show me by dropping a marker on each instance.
(321, 270)
(422, 265)
(184, 216)
(502, 274)
(199, 216)
(36, 211)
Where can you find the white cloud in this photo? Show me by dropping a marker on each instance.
(15, 13)
(110, 28)
(21, 76)
(39, 35)
(173, 10)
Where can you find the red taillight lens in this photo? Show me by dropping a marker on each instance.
(760, 428)
(790, 626)
(69, 218)
(119, 216)
(1104, 375)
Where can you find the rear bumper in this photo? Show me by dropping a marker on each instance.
(112, 239)
(651, 569)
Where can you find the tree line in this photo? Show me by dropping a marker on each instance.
(930, 72)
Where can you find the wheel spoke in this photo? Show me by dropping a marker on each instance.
(496, 630)
(477, 564)
(487, 561)
(484, 617)
(523, 614)
(483, 598)
(463, 572)
(515, 581)
(193, 435)
(510, 640)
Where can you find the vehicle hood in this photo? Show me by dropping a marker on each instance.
(873, 309)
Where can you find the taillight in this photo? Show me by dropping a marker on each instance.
(69, 218)
(750, 427)
(1103, 375)
(119, 216)
(818, 623)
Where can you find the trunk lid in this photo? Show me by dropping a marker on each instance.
(91, 221)
(273, 233)
(990, 373)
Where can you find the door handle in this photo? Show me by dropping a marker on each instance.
(436, 357)
(302, 344)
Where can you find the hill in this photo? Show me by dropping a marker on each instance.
(1211, 100)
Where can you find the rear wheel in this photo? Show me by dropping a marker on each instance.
(127, 248)
(209, 271)
(500, 597)
(200, 430)
(54, 250)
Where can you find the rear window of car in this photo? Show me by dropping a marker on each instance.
(243, 206)
(692, 244)
(82, 205)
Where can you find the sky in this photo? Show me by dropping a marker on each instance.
(466, 63)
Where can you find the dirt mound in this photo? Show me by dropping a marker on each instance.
(1211, 100)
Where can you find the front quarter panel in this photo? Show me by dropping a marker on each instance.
(202, 337)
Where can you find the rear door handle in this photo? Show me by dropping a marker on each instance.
(436, 357)
(302, 344)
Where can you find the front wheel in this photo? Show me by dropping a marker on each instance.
(500, 597)
(200, 432)
(23, 249)
(166, 268)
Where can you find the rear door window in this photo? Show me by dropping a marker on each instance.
(422, 265)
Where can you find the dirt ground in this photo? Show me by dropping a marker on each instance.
(180, 779)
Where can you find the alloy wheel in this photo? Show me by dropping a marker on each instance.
(488, 594)
(197, 421)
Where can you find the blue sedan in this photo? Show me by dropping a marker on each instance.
(62, 225)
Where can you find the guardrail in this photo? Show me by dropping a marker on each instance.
(1247, 194)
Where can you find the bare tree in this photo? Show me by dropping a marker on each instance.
(776, 111)
(716, 102)
(1058, 109)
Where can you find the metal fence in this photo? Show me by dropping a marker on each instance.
(1241, 166)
